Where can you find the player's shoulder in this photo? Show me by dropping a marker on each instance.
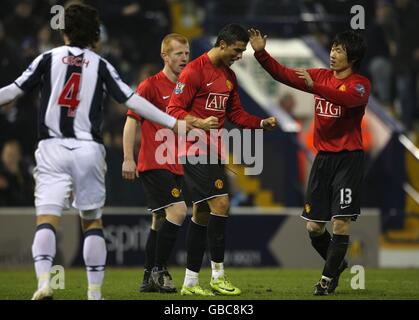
(197, 63)
(155, 78)
(356, 77)
(148, 83)
(321, 72)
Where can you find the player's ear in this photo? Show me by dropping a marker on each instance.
(223, 44)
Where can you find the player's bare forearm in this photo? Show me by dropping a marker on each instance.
(129, 167)
(130, 130)
(205, 124)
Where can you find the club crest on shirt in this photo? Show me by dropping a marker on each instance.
(342, 87)
(179, 87)
(360, 89)
(229, 85)
(175, 192)
(219, 183)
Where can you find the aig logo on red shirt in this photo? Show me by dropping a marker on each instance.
(327, 109)
(216, 102)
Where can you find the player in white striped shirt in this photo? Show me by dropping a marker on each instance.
(70, 158)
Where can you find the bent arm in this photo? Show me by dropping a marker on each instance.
(280, 72)
(350, 98)
(150, 112)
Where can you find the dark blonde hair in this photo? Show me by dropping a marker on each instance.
(166, 42)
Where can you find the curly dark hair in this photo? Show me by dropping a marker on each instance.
(82, 25)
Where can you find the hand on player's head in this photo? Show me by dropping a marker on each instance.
(257, 41)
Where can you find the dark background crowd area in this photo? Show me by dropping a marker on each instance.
(131, 34)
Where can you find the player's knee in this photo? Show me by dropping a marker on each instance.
(91, 224)
(341, 225)
(52, 220)
(176, 213)
(94, 214)
(315, 228)
(157, 220)
(219, 205)
(201, 213)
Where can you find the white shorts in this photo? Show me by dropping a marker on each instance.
(68, 168)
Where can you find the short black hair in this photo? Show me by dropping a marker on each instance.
(354, 44)
(232, 33)
(82, 25)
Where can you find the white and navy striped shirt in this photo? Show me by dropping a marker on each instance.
(73, 82)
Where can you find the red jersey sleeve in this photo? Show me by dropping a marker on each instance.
(355, 95)
(145, 90)
(281, 73)
(186, 87)
(236, 113)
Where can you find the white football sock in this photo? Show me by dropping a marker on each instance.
(43, 253)
(191, 278)
(217, 269)
(94, 254)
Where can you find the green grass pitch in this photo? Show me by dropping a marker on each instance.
(255, 283)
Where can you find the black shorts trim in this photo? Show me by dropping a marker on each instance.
(206, 181)
(162, 188)
(166, 206)
(353, 217)
(214, 196)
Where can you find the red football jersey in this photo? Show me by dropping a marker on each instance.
(205, 90)
(339, 103)
(156, 89)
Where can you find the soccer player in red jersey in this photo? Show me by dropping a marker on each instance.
(207, 89)
(162, 181)
(334, 186)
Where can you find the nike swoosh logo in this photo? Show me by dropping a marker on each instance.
(208, 84)
(165, 97)
(71, 148)
(344, 207)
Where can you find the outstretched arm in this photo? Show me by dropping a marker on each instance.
(9, 93)
(278, 71)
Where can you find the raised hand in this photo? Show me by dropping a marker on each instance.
(257, 41)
